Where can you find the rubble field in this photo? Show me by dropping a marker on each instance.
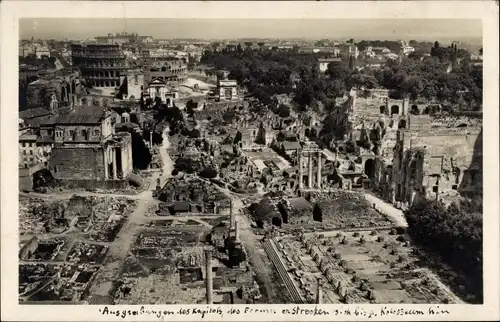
(341, 210)
(54, 282)
(360, 267)
(101, 217)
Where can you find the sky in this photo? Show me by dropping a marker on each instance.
(167, 28)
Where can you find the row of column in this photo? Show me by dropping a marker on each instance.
(106, 163)
(310, 174)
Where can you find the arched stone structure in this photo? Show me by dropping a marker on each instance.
(415, 110)
(394, 109)
(402, 124)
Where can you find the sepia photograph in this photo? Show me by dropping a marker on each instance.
(175, 161)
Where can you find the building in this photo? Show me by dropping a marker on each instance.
(406, 50)
(132, 84)
(26, 50)
(86, 147)
(101, 65)
(169, 69)
(41, 51)
(158, 88)
(348, 50)
(31, 152)
(118, 38)
(324, 62)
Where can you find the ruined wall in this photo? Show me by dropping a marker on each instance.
(77, 163)
(450, 165)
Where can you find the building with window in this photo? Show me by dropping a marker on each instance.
(101, 64)
(85, 145)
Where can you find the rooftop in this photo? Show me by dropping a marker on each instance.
(36, 112)
(81, 115)
(291, 145)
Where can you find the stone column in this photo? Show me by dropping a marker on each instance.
(236, 231)
(231, 216)
(105, 158)
(319, 293)
(114, 162)
(150, 139)
(319, 176)
(208, 276)
(301, 172)
(309, 179)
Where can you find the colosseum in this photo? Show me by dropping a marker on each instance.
(101, 64)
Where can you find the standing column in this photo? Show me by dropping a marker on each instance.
(114, 162)
(231, 215)
(319, 171)
(105, 154)
(301, 171)
(319, 293)
(309, 179)
(208, 276)
(236, 231)
(150, 139)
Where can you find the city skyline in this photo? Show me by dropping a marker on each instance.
(369, 29)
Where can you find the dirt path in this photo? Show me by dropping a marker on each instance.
(120, 248)
(396, 215)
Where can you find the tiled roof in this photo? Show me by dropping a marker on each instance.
(35, 112)
(81, 115)
(28, 137)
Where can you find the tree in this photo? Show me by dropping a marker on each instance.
(237, 137)
(141, 156)
(208, 173)
(455, 234)
(283, 111)
(261, 44)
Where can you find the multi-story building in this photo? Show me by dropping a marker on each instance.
(32, 152)
(85, 145)
(101, 64)
(41, 50)
(118, 38)
(171, 70)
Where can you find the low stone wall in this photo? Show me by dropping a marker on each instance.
(95, 184)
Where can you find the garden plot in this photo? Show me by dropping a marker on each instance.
(361, 267)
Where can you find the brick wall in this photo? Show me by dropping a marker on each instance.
(77, 163)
